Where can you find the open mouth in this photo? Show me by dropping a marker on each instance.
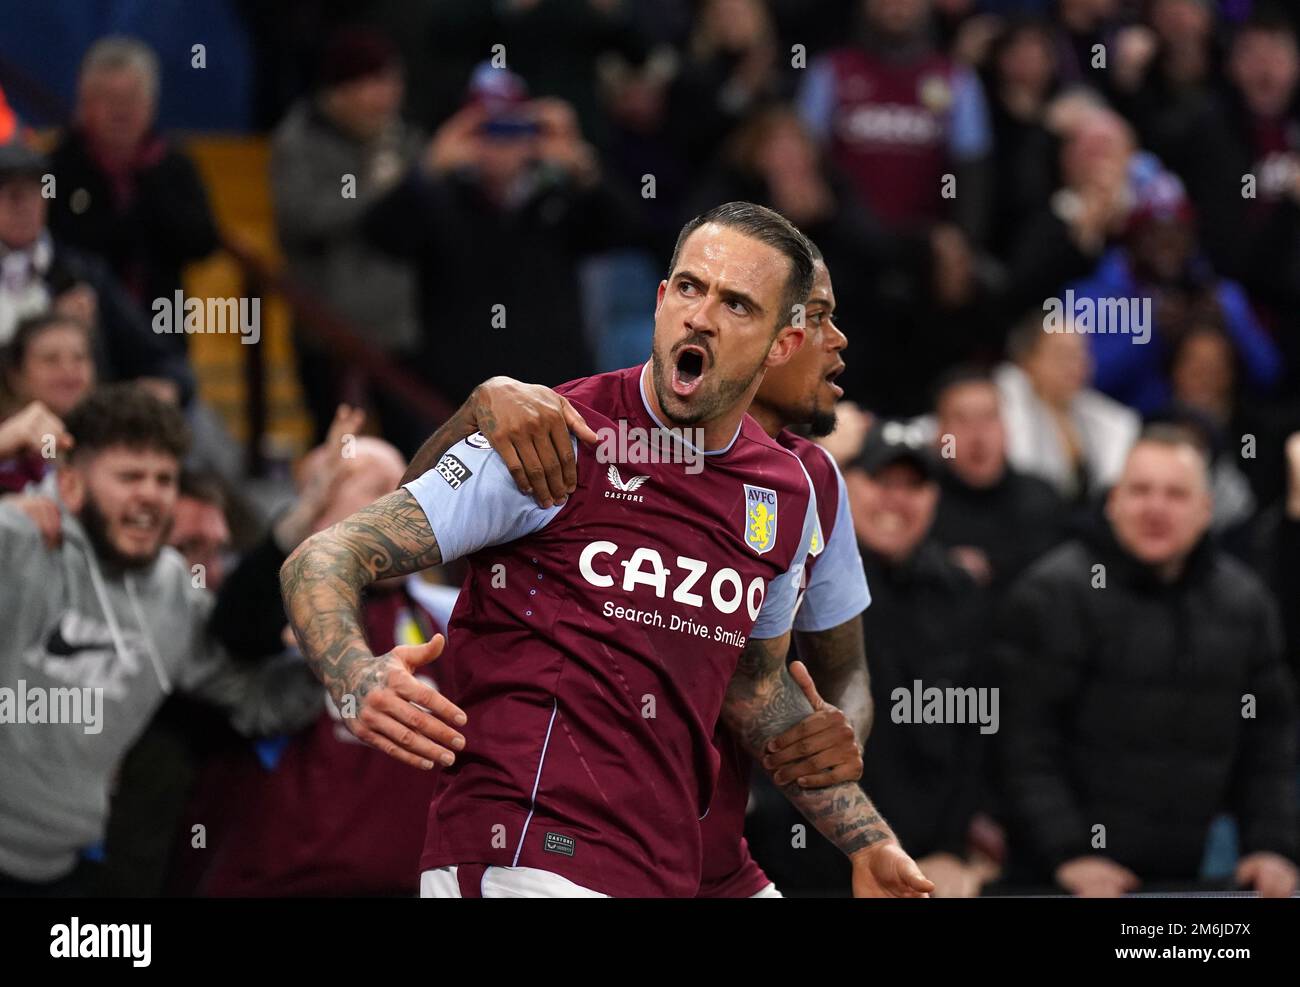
(688, 371)
(830, 379)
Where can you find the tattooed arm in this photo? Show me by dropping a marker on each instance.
(322, 582)
(762, 702)
(528, 425)
(826, 747)
(837, 660)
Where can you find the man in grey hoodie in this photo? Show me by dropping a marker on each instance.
(96, 631)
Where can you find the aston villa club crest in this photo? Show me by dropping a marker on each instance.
(760, 518)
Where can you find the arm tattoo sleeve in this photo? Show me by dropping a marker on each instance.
(837, 661)
(323, 579)
(762, 702)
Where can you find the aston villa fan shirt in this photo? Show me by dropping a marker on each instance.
(592, 644)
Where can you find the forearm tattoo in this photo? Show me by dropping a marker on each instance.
(836, 659)
(322, 582)
(762, 702)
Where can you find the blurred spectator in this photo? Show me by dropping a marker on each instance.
(38, 272)
(317, 812)
(332, 158)
(1058, 428)
(1264, 101)
(1021, 78)
(556, 45)
(897, 115)
(505, 202)
(1158, 269)
(1085, 24)
(110, 613)
(1172, 91)
(124, 193)
(1144, 692)
(1203, 381)
(772, 160)
(992, 519)
(154, 780)
(923, 777)
(731, 66)
(47, 370)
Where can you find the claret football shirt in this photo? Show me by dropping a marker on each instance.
(835, 591)
(592, 643)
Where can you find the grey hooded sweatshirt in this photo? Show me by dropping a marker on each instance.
(87, 655)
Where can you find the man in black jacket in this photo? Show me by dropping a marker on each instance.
(1144, 692)
(923, 629)
(993, 520)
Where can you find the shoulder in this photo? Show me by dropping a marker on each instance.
(598, 389)
(819, 463)
(1234, 584)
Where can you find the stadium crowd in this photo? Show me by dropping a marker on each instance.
(1065, 243)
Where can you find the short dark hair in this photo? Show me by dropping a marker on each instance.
(962, 373)
(1267, 18)
(1026, 334)
(28, 329)
(769, 227)
(1178, 431)
(202, 486)
(126, 414)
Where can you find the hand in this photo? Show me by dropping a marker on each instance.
(528, 425)
(884, 870)
(1096, 877)
(974, 561)
(1269, 874)
(456, 144)
(560, 142)
(317, 494)
(952, 876)
(31, 429)
(819, 751)
(44, 513)
(397, 713)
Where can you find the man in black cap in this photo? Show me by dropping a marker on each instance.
(38, 273)
(923, 631)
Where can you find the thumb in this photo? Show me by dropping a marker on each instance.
(1245, 871)
(415, 655)
(799, 672)
(578, 425)
(915, 878)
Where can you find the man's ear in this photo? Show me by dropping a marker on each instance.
(72, 487)
(659, 295)
(785, 345)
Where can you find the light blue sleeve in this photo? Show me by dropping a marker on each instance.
(838, 589)
(816, 99)
(970, 135)
(782, 597)
(472, 502)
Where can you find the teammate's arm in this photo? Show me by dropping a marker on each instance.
(826, 747)
(322, 582)
(528, 425)
(762, 702)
